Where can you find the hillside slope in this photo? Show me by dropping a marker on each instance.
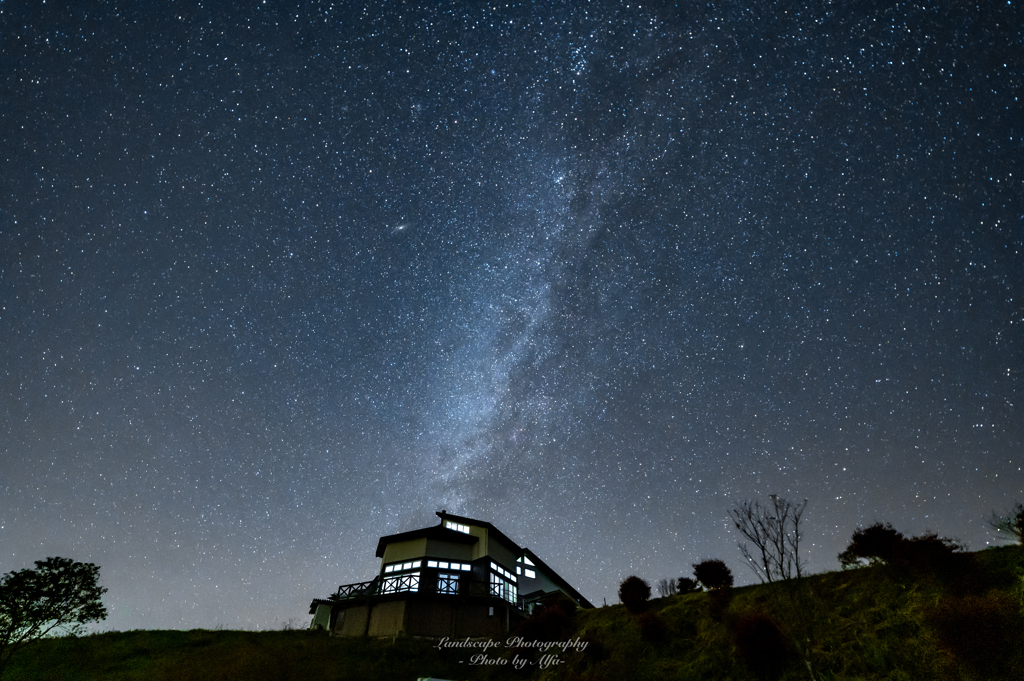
(871, 623)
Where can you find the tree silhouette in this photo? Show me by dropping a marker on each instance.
(775, 532)
(686, 585)
(1011, 524)
(877, 543)
(713, 574)
(59, 595)
(634, 592)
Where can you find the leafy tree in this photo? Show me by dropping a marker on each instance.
(875, 544)
(1011, 524)
(59, 596)
(922, 555)
(713, 574)
(634, 593)
(775, 532)
(686, 585)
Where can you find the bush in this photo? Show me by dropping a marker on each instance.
(982, 633)
(634, 593)
(685, 585)
(877, 543)
(927, 555)
(719, 601)
(922, 556)
(761, 645)
(713, 574)
(652, 627)
(552, 621)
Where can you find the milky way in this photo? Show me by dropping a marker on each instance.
(279, 280)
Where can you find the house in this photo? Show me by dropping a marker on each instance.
(459, 578)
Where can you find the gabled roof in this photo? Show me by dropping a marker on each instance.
(434, 532)
(557, 579)
(492, 530)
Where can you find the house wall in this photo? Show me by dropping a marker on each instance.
(387, 619)
(480, 548)
(322, 618)
(427, 617)
(504, 556)
(437, 548)
(541, 582)
(435, 619)
(405, 550)
(351, 621)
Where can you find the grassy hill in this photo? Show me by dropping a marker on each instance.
(871, 623)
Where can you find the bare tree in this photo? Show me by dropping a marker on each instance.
(774, 530)
(666, 587)
(1011, 524)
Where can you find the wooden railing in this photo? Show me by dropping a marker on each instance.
(412, 584)
(361, 589)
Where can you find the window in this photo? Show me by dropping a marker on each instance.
(447, 583)
(457, 527)
(530, 573)
(444, 565)
(503, 589)
(503, 572)
(401, 567)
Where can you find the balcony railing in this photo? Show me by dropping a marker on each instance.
(361, 589)
(411, 584)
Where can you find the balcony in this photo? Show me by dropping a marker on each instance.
(412, 584)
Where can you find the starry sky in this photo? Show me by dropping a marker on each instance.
(277, 279)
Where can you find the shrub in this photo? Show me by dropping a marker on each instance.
(928, 554)
(552, 621)
(652, 627)
(718, 603)
(634, 593)
(761, 645)
(685, 585)
(982, 633)
(713, 574)
(921, 556)
(666, 587)
(877, 543)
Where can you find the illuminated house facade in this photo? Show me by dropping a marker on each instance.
(459, 578)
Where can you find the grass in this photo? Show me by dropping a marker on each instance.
(862, 625)
(202, 655)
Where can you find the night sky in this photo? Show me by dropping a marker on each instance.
(277, 279)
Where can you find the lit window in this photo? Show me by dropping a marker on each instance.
(457, 527)
(447, 583)
(527, 560)
(443, 565)
(389, 568)
(531, 574)
(503, 589)
(519, 570)
(431, 563)
(465, 568)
